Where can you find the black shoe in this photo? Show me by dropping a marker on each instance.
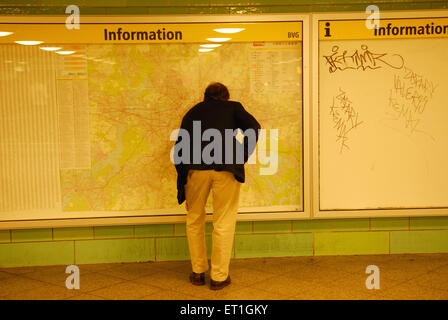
(197, 279)
(218, 285)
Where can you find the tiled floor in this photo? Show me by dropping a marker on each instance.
(419, 276)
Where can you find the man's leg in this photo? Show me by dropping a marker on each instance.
(197, 190)
(226, 191)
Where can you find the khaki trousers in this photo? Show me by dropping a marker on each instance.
(225, 189)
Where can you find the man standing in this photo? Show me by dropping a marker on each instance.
(208, 157)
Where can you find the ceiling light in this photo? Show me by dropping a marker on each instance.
(50, 48)
(65, 52)
(29, 43)
(205, 50)
(210, 45)
(218, 39)
(4, 33)
(229, 30)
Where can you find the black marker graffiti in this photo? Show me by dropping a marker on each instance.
(344, 117)
(409, 97)
(361, 60)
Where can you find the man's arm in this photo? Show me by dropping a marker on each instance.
(245, 121)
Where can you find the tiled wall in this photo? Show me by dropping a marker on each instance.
(208, 6)
(252, 239)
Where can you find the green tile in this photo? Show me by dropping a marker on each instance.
(286, 9)
(177, 248)
(439, 5)
(10, 10)
(5, 236)
(433, 241)
(269, 2)
(389, 223)
(406, 6)
(85, 10)
(275, 245)
(103, 3)
(131, 10)
(73, 233)
(180, 229)
(337, 7)
(154, 230)
(230, 2)
(172, 249)
(36, 254)
(151, 3)
(169, 10)
(311, 225)
(116, 250)
(429, 223)
(114, 232)
(189, 3)
(43, 10)
(248, 10)
(29, 235)
(20, 3)
(209, 10)
(347, 243)
(304, 2)
(243, 227)
(350, 224)
(272, 226)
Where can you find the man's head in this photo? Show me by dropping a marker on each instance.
(216, 91)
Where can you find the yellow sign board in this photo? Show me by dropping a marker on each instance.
(387, 29)
(153, 33)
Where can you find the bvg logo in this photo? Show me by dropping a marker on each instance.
(293, 35)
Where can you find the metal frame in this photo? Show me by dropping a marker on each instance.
(95, 218)
(362, 213)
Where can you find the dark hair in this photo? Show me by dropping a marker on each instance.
(216, 91)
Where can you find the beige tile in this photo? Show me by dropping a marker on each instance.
(245, 276)
(93, 281)
(52, 275)
(46, 292)
(281, 285)
(131, 271)
(250, 293)
(5, 275)
(169, 295)
(17, 284)
(166, 279)
(20, 270)
(204, 292)
(99, 267)
(179, 266)
(277, 265)
(125, 291)
(413, 291)
(433, 280)
(85, 296)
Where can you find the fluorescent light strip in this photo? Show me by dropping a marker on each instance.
(29, 43)
(210, 45)
(4, 33)
(205, 50)
(65, 52)
(229, 30)
(218, 39)
(50, 48)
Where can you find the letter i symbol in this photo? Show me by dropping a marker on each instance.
(327, 30)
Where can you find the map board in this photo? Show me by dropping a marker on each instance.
(87, 134)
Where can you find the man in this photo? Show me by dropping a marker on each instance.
(214, 161)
